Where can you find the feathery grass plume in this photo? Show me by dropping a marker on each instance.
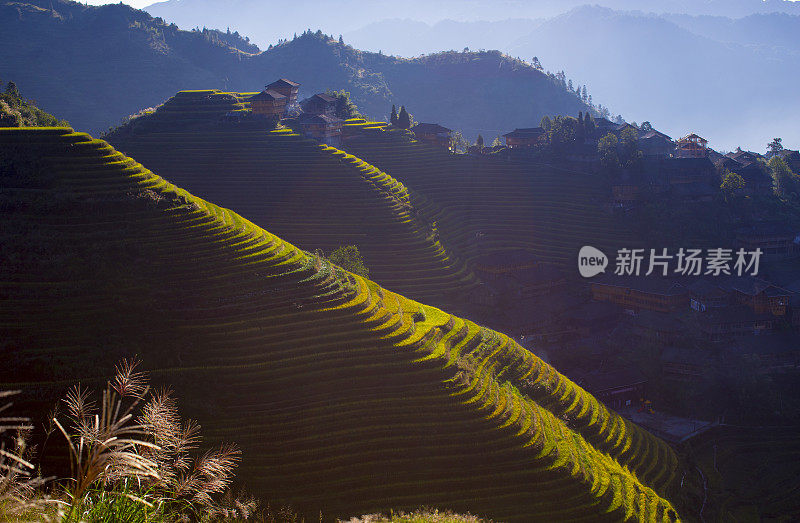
(17, 481)
(104, 441)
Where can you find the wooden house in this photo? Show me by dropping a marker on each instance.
(268, 103)
(434, 134)
(617, 388)
(792, 159)
(743, 157)
(756, 178)
(707, 294)
(321, 127)
(736, 320)
(692, 146)
(684, 364)
(656, 145)
(760, 296)
(287, 88)
(774, 239)
(525, 137)
(320, 103)
(641, 293)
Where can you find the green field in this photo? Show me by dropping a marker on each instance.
(345, 397)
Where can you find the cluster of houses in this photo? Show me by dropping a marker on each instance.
(317, 114)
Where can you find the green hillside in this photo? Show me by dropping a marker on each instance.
(344, 397)
(311, 194)
(16, 111)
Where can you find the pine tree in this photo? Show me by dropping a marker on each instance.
(341, 40)
(584, 95)
(393, 119)
(404, 119)
(479, 142)
(569, 85)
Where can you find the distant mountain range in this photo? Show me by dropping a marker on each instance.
(267, 22)
(727, 79)
(95, 65)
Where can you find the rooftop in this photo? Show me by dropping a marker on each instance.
(267, 96)
(430, 128)
(525, 132)
(283, 82)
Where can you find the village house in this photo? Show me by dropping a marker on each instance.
(604, 126)
(320, 103)
(692, 146)
(682, 364)
(654, 144)
(434, 134)
(722, 324)
(618, 388)
(517, 272)
(775, 240)
(707, 294)
(637, 293)
(525, 137)
(760, 296)
(321, 127)
(268, 103)
(287, 88)
(792, 159)
(654, 328)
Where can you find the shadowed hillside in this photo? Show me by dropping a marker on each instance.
(344, 397)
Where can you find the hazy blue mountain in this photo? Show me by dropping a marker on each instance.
(266, 21)
(649, 68)
(727, 78)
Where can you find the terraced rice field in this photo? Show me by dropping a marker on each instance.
(344, 397)
(486, 203)
(308, 193)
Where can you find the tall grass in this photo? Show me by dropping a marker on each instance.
(132, 458)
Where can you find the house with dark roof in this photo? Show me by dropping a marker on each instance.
(744, 156)
(617, 388)
(656, 145)
(760, 296)
(637, 293)
(674, 171)
(725, 323)
(525, 137)
(756, 178)
(692, 146)
(776, 240)
(268, 103)
(434, 134)
(655, 328)
(683, 364)
(321, 127)
(705, 294)
(287, 88)
(320, 103)
(792, 159)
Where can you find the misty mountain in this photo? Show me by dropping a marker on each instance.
(268, 21)
(96, 65)
(714, 75)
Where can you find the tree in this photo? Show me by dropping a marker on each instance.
(404, 119)
(775, 146)
(732, 184)
(341, 40)
(546, 123)
(479, 142)
(607, 149)
(393, 119)
(536, 63)
(646, 127)
(497, 142)
(784, 181)
(584, 95)
(349, 258)
(12, 91)
(562, 133)
(344, 107)
(630, 156)
(458, 143)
